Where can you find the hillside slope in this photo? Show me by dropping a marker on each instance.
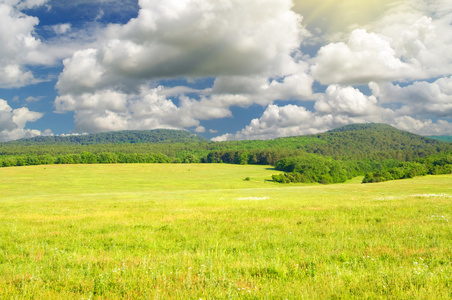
(116, 137)
(352, 142)
(378, 141)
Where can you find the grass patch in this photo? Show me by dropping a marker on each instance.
(201, 231)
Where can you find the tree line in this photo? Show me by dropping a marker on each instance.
(83, 158)
(259, 157)
(376, 151)
(432, 165)
(316, 168)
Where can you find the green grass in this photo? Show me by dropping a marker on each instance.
(202, 231)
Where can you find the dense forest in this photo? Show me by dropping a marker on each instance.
(377, 151)
(117, 137)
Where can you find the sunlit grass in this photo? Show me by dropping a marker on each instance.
(202, 231)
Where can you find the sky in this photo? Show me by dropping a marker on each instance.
(224, 69)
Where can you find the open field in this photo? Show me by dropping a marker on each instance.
(202, 231)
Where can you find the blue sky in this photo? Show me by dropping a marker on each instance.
(254, 69)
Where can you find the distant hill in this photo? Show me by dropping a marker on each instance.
(352, 142)
(116, 137)
(365, 127)
(381, 141)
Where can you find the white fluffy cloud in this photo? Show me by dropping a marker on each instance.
(102, 101)
(423, 127)
(425, 45)
(13, 122)
(108, 110)
(17, 42)
(408, 42)
(346, 100)
(293, 120)
(250, 47)
(247, 90)
(290, 120)
(14, 75)
(420, 98)
(340, 106)
(405, 43)
(200, 129)
(21, 48)
(252, 51)
(62, 28)
(190, 38)
(366, 57)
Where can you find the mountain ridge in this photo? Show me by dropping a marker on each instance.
(116, 137)
(183, 136)
(351, 142)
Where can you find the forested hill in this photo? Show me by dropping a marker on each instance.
(353, 142)
(374, 127)
(378, 141)
(116, 137)
(377, 151)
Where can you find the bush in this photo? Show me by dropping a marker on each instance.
(314, 168)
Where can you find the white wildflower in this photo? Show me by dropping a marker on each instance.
(253, 198)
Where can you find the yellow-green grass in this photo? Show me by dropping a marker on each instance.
(202, 231)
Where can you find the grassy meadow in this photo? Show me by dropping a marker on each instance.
(192, 231)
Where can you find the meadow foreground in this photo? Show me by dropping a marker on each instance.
(191, 231)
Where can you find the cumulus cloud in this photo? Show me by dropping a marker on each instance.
(425, 45)
(251, 51)
(421, 98)
(62, 28)
(425, 127)
(420, 32)
(192, 39)
(343, 105)
(22, 48)
(250, 47)
(14, 76)
(293, 120)
(346, 100)
(102, 100)
(110, 110)
(17, 41)
(246, 90)
(200, 129)
(15, 33)
(22, 115)
(408, 42)
(289, 120)
(366, 57)
(335, 16)
(338, 106)
(13, 122)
